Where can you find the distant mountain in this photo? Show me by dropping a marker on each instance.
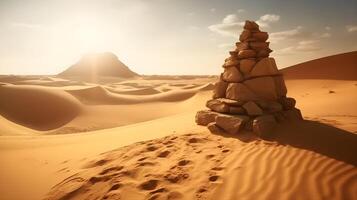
(99, 64)
(337, 67)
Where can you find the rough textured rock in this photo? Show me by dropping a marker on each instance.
(246, 65)
(232, 74)
(264, 125)
(231, 102)
(264, 87)
(231, 123)
(244, 35)
(252, 109)
(251, 25)
(270, 106)
(263, 53)
(231, 62)
(217, 106)
(260, 36)
(251, 92)
(213, 128)
(204, 117)
(219, 90)
(246, 54)
(240, 92)
(265, 67)
(293, 114)
(257, 46)
(235, 110)
(280, 86)
(242, 46)
(288, 103)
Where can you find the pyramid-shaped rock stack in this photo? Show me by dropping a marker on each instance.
(251, 93)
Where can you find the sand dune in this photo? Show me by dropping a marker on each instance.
(101, 95)
(122, 154)
(336, 67)
(206, 166)
(37, 107)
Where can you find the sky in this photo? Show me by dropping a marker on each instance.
(167, 36)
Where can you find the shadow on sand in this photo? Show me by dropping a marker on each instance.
(314, 136)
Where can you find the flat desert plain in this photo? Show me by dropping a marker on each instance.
(137, 139)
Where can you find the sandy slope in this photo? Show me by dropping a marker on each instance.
(337, 67)
(314, 159)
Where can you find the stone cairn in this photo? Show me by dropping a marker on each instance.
(251, 93)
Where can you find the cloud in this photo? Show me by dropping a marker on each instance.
(295, 33)
(351, 28)
(327, 28)
(240, 10)
(304, 46)
(212, 10)
(268, 18)
(231, 25)
(326, 35)
(232, 18)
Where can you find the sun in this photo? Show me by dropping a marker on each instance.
(89, 37)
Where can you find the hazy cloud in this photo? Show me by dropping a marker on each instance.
(351, 28)
(240, 10)
(265, 20)
(326, 35)
(301, 47)
(212, 10)
(231, 25)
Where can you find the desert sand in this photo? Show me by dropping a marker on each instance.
(137, 139)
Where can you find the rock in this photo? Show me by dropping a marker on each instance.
(264, 125)
(263, 87)
(269, 106)
(236, 110)
(248, 126)
(263, 53)
(279, 116)
(240, 92)
(288, 103)
(264, 67)
(293, 114)
(231, 102)
(213, 128)
(242, 46)
(232, 74)
(280, 86)
(217, 106)
(231, 62)
(244, 35)
(251, 25)
(246, 65)
(219, 90)
(257, 46)
(246, 54)
(233, 53)
(260, 36)
(204, 117)
(231, 123)
(252, 109)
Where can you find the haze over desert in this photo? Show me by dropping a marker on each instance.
(218, 100)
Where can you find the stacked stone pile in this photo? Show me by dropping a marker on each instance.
(251, 93)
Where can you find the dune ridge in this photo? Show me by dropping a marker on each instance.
(337, 67)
